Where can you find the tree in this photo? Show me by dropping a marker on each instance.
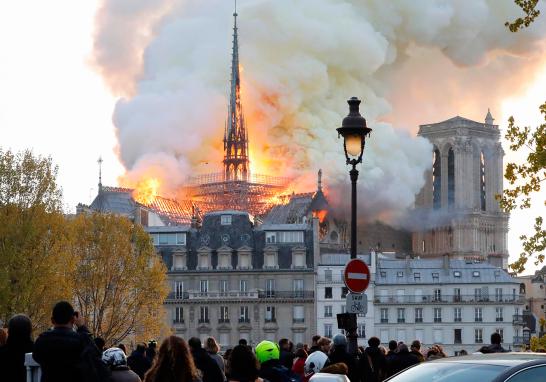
(34, 260)
(526, 178)
(120, 282)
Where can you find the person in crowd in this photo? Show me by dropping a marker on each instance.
(314, 344)
(271, 369)
(306, 348)
(12, 354)
(463, 352)
(314, 364)
(286, 354)
(377, 359)
(415, 349)
(210, 371)
(244, 366)
(100, 343)
(390, 358)
(3, 337)
(138, 362)
(403, 358)
(339, 368)
(212, 347)
(339, 353)
(243, 341)
(324, 345)
(122, 347)
(495, 346)
(435, 352)
(174, 363)
(116, 360)
(299, 362)
(66, 355)
(151, 351)
(227, 354)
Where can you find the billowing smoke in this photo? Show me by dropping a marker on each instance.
(169, 60)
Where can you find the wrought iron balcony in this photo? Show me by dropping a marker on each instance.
(305, 294)
(223, 320)
(520, 340)
(244, 320)
(445, 299)
(204, 321)
(298, 320)
(178, 321)
(270, 320)
(259, 294)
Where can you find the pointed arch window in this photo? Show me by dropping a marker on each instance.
(436, 180)
(451, 178)
(482, 181)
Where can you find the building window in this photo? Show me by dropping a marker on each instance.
(178, 315)
(384, 315)
(478, 315)
(498, 315)
(328, 275)
(179, 289)
(270, 288)
(476, 274)
(437, 314)
(203, 287)
(383, 274)
(343, 309)
(270, 314)
(435, 277)
(328, 292)
(400, 274)
(243, 314)
(478, 336)
(457, 295)
(418, 314)
(344, 292)
(478, 294)
(438, 336)
(299, 314)
(224, 314)
(224, 287)
(457, 317)
(401, 315)
(361, 331)
(498, 294)
(457, 336)
(328, 330)
(328, 311)
(224, 260)
(501, 332)
(243, 287)
(204, 315)
(436, 179)
(417, 276)
(457, 274)
(298, 288)
(284, 237)
(179, 261)
(271, 259)
(244, 260)
(203, 260)
(437, 295)
(225, 220)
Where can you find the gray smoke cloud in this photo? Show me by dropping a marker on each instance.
(410, 62)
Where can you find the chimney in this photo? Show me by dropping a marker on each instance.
(446, 263)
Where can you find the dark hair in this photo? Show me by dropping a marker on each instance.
(374, 341)
(227, 353)
(243, 364)
(242, 341)
(284, 342)
(463, 352)
(19, 329)
(416, 344)
(141, 347)
(316, 338)
(393, 345)
(62, 313)
(122, 347)
(195, 343)
(301, 353)
(100, 343)
(496, 338)
(174, 363)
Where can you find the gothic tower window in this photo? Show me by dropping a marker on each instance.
(451, 178)
(482, 181)
(436, 180)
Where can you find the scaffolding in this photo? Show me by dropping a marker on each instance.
(257, 195)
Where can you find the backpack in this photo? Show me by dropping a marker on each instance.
(285, 375)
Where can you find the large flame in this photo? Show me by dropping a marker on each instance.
(321, 215)
(146, 190)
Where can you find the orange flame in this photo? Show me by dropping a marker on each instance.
(321, 215)
(146, 190)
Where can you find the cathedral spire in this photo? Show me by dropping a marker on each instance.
(236, 163)
(489, 118)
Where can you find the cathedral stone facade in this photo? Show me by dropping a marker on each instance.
(456, 210)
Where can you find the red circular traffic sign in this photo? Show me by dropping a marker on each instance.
(356, 276)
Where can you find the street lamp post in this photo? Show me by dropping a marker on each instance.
(354, 131)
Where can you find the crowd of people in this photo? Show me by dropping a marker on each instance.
(68, 352)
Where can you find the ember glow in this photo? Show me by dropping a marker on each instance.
(321, 215)
(146, 191)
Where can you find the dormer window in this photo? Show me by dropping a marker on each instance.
(179, 261)
(476, 274)
(383, 274)
(400, 274)
(457, 274)
(225, 219)
(203, 258)
(435, 276)
(417, 276)
(271, 260)
(298, 257)
(224, 259)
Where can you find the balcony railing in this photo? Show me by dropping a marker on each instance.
(298, 320)
(204, 321)
(244, 320)
(446, 299)
(270, 320)
(329, 280)
(520, 340)
(223, 320)
(517, 319)
(178, 321)
(384, 320)
(303, 294)
(306, 294)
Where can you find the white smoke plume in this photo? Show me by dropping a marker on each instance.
(410, 62)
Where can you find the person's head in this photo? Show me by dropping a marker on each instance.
(301, 353)
(315, 340)
(324, 344)
(243, 341)
(19, 329)
(339, 340)
(227, 353)
(122, 347)
(416, 345)
(267, 351)
(141, 348)
(100, 343)
(336, 368)
(374, 342)
(496, 339)
(152, 344)
(114, 358)
(174, 362)
(383, 350)
(211, 345)
(63, 314)
(393, 345)
(284, 344)
(195, 343)
(402, 348)
(463, 352)
(299, 345)
(314, 363)
(243, 364)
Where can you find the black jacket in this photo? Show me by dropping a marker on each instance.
(339, 354)
(138, 362)
(12, 359)
(378, 362)
(286, 359)
(402, 360)
(58, 352)
(209, 368)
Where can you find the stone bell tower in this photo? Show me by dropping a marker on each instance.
(457, 209)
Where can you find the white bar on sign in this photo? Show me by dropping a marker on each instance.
(357, 276)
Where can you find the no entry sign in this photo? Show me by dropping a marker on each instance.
(356, 276)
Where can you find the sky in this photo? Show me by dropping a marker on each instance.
(53, 101)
